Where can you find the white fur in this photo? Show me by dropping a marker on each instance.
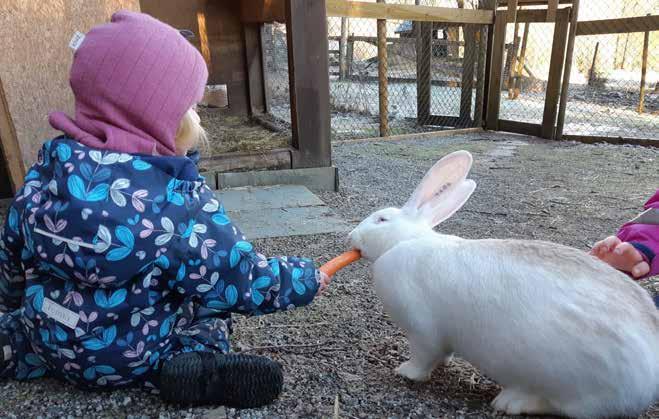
(561, 331)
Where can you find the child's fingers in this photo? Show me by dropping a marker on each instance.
(640, 269)
(627, 250)
(606, 245)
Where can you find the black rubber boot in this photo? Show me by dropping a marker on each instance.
(241, 381)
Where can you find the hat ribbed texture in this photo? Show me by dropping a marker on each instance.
(133, 80)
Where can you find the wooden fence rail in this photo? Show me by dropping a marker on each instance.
(359, 9)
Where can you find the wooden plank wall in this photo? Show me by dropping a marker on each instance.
(226, 42)
(34, 69)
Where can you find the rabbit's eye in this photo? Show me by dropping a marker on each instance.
(381, 220)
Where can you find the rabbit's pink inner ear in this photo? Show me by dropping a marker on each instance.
(444, 174)
(439, 209)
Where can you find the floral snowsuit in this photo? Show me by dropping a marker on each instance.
(110, 263)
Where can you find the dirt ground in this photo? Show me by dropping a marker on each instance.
(343, 347)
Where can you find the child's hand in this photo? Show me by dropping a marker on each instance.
(324, 281)
(621, 255)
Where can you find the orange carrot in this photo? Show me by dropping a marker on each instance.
(340, 262)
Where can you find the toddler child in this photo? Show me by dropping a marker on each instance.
(117, 263)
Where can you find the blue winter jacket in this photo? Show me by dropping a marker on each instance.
(102, 252)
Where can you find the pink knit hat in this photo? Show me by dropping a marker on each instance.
(133, 80)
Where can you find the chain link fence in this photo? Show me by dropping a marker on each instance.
(604, 91)
(354, 77)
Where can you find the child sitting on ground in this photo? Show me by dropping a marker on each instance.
(117, 263)
(634, 249)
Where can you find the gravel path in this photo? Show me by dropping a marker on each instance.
(568, 193)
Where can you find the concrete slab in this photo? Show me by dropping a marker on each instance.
(316, 178)
(279, 211)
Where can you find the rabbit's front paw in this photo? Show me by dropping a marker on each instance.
(413, 372)
(514, 402)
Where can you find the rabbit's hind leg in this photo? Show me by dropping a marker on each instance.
(425, 357)
(517, 402)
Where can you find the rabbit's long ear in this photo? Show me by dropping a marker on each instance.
(443, 190)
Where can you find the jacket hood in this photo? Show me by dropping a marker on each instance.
(90, 211)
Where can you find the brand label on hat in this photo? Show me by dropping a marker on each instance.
(76, 41)
(60, 314)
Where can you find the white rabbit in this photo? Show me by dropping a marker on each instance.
(561, 331)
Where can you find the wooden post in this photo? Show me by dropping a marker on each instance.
(383, 85)
(255, 73)
(591, 73)
(624, 52)
(343, 49)
(423, 71)
(10, 148)
(350, 53)
(555, 74)
(574, 16)
(496, 70)
(512, 12)
(644, 70)
(467, 87)
(488, 45)
(481, 75)
(267, 91)
(308, 64)
(513, 60)
(552, 6)
(520, 63)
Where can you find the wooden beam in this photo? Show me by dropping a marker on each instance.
(255, 73)
(383, 83)
(621, 25)
(489, 41)
(496, 71)
(308, 63)
(554, 81)
(10, 147)
(481, 74)
(360, 9)
(644, 69)
(448, 121)
(267, 94)
(517, 127)
(468, 64)
(537, 15)
(520, 64)
(270, 159)
(423, 73)
(416, 136)
(552, 6)
(261, 11)
(565, 88)
(343, 48)
(504, 3)
(513, 60)
(512, 11)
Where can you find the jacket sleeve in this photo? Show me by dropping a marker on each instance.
(12, 278)
(221, 267)
(643, 233)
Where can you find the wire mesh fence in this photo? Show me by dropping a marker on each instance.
(355, 82)
(605, 84)
(425, 86)
(604, 91)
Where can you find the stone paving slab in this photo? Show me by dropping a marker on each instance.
(279, 211)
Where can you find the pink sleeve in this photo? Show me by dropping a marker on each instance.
(645, 237)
